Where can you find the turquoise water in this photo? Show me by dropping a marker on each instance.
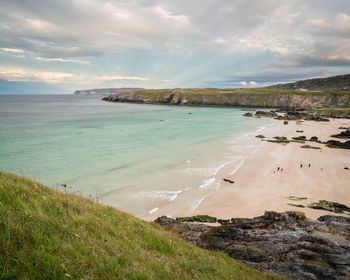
(139, 158)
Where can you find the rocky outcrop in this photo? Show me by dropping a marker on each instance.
(344, 134)
(248, 114)
(285, 243)
(338, 144)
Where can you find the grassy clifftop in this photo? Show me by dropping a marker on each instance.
(46, 234)
(258, 97)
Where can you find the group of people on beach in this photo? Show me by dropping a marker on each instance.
(279, 169)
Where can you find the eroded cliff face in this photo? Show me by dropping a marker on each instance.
(223, 98)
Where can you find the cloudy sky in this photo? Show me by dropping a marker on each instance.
(58, 46)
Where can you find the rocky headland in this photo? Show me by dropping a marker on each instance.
(327, 97)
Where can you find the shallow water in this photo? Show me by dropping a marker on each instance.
(138, 158)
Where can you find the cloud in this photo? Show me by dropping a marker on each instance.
(53, 77)
(12, 50)
(58, 59)
(339, 27)
(149, 41)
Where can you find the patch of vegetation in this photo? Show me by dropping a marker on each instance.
(296, 205)
(45, 234)
(329, 206)
(296, 198)
(331, 112)
(198, 218)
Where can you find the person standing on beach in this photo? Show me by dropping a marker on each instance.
(301, 165)
(309, 165)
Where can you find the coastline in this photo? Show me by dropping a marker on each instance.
(259, 187)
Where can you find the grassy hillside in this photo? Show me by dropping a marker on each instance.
(46, 234)
(329, 83)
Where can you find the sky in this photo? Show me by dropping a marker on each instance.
(52, 46)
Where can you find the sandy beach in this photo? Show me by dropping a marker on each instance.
(259, 186)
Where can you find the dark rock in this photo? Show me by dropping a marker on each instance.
(297, 115)
(260, 136)
(287, 243)
(279, 139)
(344, 134)
(268, 114)
(228, 180)
(300, 131)
(198, 218)
(248, 114)
(164, 221)
(338, 144)
(302, 138)
(337, 219)
(314, 138)
(346, 168)
(310, 147)
(285, 122)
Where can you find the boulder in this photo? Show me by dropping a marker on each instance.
(301, 138)
(268, 114)
(248, 114)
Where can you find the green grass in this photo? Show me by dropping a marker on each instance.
(45, 234)
(335, 112)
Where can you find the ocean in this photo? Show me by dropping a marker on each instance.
(138, 158)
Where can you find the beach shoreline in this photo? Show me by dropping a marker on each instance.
(258, 185)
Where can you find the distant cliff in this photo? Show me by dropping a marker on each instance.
(263, 97)
(104, 91)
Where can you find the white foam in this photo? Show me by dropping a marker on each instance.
(237, 167)
(207, 182)
(207, 171)
(166, 195)
(153, 210)
(198, 203)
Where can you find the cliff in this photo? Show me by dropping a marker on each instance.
(259, 97)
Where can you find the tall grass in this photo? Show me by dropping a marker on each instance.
(45, 234)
